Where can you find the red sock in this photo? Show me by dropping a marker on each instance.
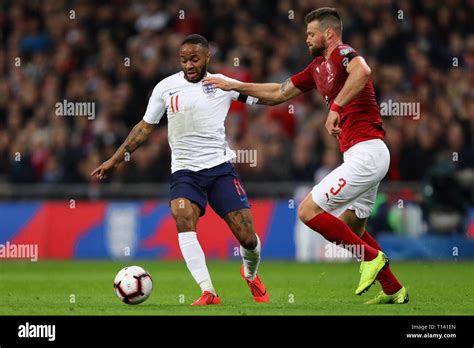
(387, 279)
(336, 231)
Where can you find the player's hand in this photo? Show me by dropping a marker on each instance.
(219, 83)
(105, 169)
(332, 124)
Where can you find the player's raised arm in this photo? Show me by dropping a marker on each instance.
(267, 93)
(138, 135)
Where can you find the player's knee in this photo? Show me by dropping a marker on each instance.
(303, 213)
(306, 212)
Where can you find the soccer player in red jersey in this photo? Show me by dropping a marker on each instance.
(339, 206)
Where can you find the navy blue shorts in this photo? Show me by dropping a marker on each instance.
(220, 185)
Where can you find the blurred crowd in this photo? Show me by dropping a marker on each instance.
(112, 53)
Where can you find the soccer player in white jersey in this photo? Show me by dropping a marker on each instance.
(200, 164)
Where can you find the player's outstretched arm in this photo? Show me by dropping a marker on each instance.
(138, 135)
(267, 93)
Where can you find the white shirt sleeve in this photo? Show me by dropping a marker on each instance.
(235, 95)
(156, 106)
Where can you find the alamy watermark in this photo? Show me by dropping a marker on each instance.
(241, 156)
(396, 108)
(245, 156)
(334, 251)
(28, 330)
(19, 251)
(68, 108)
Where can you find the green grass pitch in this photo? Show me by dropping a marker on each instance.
(86, 288)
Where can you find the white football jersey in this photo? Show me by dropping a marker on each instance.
(196, 115)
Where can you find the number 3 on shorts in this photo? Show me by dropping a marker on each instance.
(341, 184)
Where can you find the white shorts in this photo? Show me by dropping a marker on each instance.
(353, 185)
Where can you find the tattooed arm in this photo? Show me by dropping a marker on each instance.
(138, 135)
(267, 93)
(279, 93)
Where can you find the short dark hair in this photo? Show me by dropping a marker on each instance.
(196, 39)
(328, 17)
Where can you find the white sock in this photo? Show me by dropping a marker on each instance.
(195, 260)
(251, 260)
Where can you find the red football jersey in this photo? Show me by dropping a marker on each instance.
(360, 119)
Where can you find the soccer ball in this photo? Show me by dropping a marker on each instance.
(133, 285)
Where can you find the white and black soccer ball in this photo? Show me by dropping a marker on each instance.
(133, 285)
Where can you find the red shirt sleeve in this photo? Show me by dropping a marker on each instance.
(342, 55)
(304, 80)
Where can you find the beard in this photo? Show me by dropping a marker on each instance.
(317, 51)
